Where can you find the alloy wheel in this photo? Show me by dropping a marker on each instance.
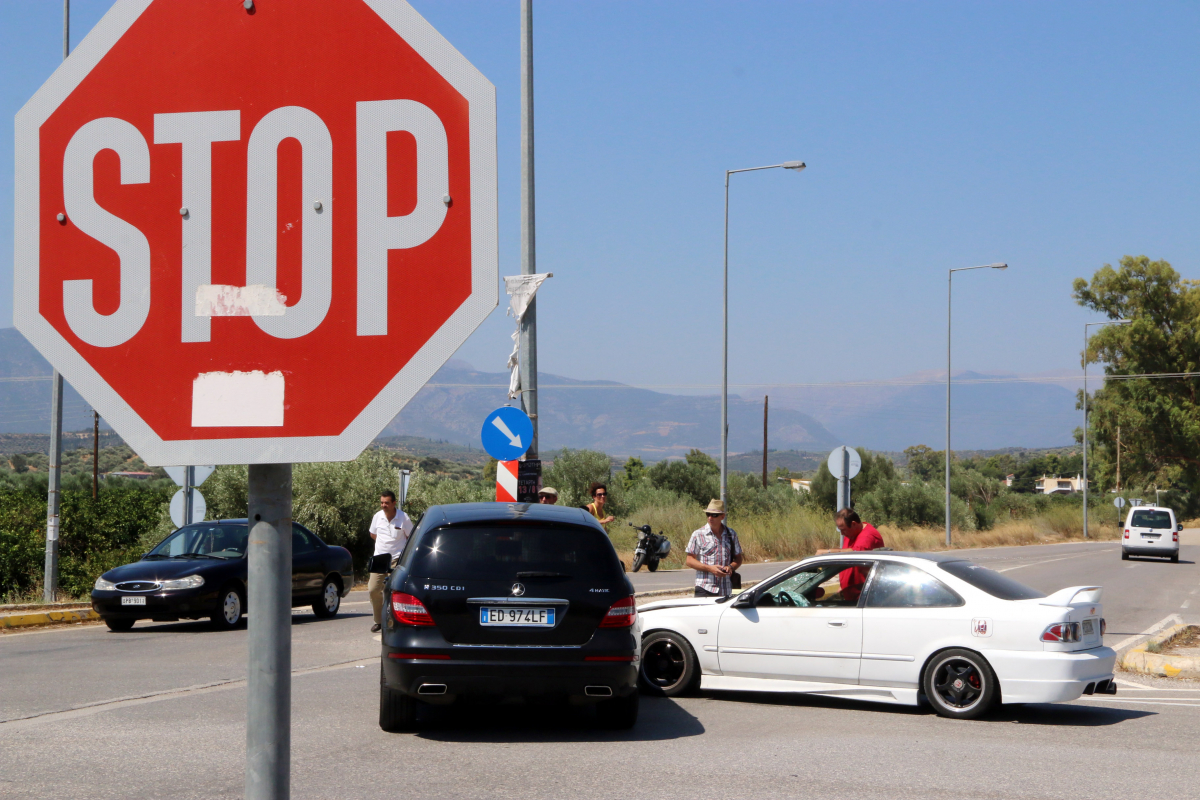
(663, 663)
(958, 683)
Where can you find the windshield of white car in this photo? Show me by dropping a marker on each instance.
(986, 580)
(1157, 520)
(206, 540)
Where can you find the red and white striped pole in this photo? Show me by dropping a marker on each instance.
(506, 481)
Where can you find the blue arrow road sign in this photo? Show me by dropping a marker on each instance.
(507, 433)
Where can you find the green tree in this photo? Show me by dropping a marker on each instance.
(574, 470)
(694, 478)
(1159, 419)
(925, 463)
(634, 472)
(876, 469)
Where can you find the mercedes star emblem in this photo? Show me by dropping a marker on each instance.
(518, 589)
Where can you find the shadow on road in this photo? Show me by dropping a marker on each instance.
(1058, 714)
(145, 626)
(658, 719)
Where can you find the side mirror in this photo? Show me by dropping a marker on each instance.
(1179, 527)
(744, 599)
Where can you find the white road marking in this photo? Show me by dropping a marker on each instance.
(87, 709)
(1185, 603)
(1047, 561)
(1114, 699)
(1153, 629)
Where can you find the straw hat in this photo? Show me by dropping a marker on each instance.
(715, 507)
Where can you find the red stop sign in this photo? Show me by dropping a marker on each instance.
(252, 236)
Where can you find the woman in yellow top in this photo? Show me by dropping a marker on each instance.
(599, 494)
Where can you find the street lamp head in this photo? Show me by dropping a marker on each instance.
(998, 266)
(796, 165)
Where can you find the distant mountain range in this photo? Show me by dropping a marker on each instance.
(989, 411)
(602, 415)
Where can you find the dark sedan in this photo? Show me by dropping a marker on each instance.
(502, 600)
(200, 571)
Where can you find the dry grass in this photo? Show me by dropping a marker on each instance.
(801, 532)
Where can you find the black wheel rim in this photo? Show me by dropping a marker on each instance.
(958, 683)
(663, 663)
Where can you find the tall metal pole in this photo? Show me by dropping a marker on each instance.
(766, 402)
(95, 454)
(528, 336)
(50, 578)
(1085, 427)
(949, 290)
(792, 165)
(269, 586)
(725, 354)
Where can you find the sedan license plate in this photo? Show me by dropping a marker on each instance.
(1088, 627)
(133, 601)
(529, 617)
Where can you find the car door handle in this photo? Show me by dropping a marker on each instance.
(836, 623)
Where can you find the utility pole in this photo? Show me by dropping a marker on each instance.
(766, 400)
(528, 337)
(50, 578)
(95, 454)
(1118, 458)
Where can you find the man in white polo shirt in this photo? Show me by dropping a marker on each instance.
(390, 529)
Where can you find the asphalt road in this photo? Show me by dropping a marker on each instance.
(160, 711)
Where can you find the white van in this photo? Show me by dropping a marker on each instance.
(1151, 531)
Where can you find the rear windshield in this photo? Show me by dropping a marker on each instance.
(499, 553)
(1151, 519)
(991, 582)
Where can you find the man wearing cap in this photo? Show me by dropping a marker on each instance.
(715, 553)
(547, 495)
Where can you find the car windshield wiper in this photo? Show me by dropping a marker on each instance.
(200, 555)
(149, 556)
(539, 574)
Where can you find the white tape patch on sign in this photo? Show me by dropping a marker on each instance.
(506, 481)
(237, 399)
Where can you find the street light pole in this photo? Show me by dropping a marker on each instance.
(949, 291)
(1085, 413)
(794, 165)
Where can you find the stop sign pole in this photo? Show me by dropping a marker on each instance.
(249, 233)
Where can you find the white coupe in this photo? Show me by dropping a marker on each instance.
(922, 625)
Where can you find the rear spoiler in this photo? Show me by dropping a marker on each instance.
(1074, 594)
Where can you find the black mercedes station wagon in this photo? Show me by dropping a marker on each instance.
(200, 571)
(495, 601)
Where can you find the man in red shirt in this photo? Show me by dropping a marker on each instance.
(856, 536)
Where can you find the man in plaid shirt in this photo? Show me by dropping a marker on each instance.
(714, 552)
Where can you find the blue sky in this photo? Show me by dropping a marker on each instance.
(1056, 137)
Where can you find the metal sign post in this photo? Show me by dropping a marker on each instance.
(1119, 502)
(269, 586)
(844, 463)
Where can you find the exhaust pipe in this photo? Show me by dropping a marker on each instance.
(1091, 688)
(598, 691)
(431, 688)
(1107, 687)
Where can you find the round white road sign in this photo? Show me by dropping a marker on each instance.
(837, 462)
(1119, 502)
(199, 508)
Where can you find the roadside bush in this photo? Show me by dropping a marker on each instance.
(912, 504)
(696, 478)
(22, 541)
(574, 470)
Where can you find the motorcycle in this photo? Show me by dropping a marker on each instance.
(651, 547)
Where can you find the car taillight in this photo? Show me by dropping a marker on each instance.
(408, 610)
(1103, 626)
(622, 614)
(1062, 632)
(1175, 536)
(1126, 533)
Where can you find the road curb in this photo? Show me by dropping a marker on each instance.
(29, 619)
(1139, 659)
